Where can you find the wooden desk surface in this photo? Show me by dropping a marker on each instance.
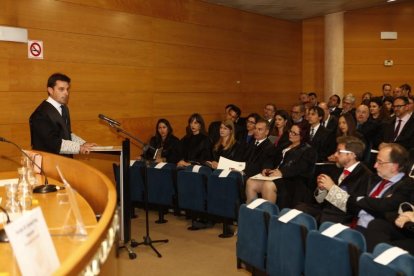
(55, 213)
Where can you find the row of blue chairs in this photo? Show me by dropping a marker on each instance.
(268, 243)
(198, 190)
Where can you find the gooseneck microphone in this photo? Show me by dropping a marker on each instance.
(42, 189)
(3, 235)
(109, 120)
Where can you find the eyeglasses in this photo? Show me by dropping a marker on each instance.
(379, 162)
(294, 133)
(344, 151)
(251, 122)
(398, 106)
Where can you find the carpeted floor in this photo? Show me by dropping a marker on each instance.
(199, 252)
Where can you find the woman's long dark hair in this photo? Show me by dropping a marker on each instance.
(158, 138)
(199, 119)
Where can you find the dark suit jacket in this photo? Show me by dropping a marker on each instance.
(332, 123)
(406, 137)
(356, 185)
(324, 143)
(401, 191)
(258, 156)
(195, 148)
(337, 112)
(297, 162)
(169, 147)
(47, 128)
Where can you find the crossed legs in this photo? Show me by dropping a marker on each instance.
(266, 188)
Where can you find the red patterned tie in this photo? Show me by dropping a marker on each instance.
(379, 189)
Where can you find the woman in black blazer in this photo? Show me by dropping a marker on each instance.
(162, 146)
(295, 166)
(227, 146)
(195, 145)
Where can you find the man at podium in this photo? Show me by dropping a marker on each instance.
(50, 128)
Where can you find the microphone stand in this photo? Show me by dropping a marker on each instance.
(41, 189)
(147, 239)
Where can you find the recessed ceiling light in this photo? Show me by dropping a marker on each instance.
(389, 1)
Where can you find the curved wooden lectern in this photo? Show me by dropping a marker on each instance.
(100, 194)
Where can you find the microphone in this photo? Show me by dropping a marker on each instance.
(109, 120)
(42, 189)
(3, 235)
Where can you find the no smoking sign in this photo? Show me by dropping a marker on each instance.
(35, 49)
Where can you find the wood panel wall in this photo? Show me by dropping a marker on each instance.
(365, 52)
(138, 61)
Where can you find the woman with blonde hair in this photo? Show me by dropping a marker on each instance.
(227, 145)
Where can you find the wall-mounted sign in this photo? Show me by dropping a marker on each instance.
(35, 49)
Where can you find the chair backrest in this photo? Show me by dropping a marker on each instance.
(192, 188)
(400, 265)
(161, 187)
(337, 255)
(252, 233)
(136, 180)
(287, 242)
(223, 194)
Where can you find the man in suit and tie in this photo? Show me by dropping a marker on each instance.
(261, 152)
(400, 130)
(329, 121)
(269, 114)
(50, 127)
(321, 139)
(353, 178)
(333, 104)
(382, 196)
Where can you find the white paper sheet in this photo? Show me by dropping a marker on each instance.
(289, 215)
(334, 230)
(389, 255)
(255, 203)
(227, 164)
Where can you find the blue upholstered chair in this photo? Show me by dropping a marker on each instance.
(192, 189)
(402, 265)
(338, 255)
(223, 198)
(286, 244)
(252, 234)
(136, 180)
(161, 187)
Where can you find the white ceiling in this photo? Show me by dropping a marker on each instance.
(298, 9)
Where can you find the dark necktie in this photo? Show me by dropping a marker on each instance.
(379, 189)
(323, 123)
(64, 114)
(257, 143)
(312, 133)
(397, 129)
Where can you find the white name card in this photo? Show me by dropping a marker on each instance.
(32, 244)
(160, 165)
(334, 230)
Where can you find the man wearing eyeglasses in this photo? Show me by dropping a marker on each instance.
(353, 179)
(383, 196)
(401, 129)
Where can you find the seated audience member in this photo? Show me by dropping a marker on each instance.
(406, 89)
(195, 145)
(261, 151)
(366, 98)
(387, 103)
(410, 104)
(303, 98)
(383, 196)
(329, 121)
(386, 90)
(321, 139)
(400, 129)
(397, 229)
(295, 167)
(281, 129)
(348, 104)
(353, 178)
(346, 127)
(377, 111)
(247, 136)
(227, 146)
(162, 146)
(269, 114)
(397, 92)
(313, 99)
(366, 126)
(298, 115)
(333, 104)
(231, 112)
